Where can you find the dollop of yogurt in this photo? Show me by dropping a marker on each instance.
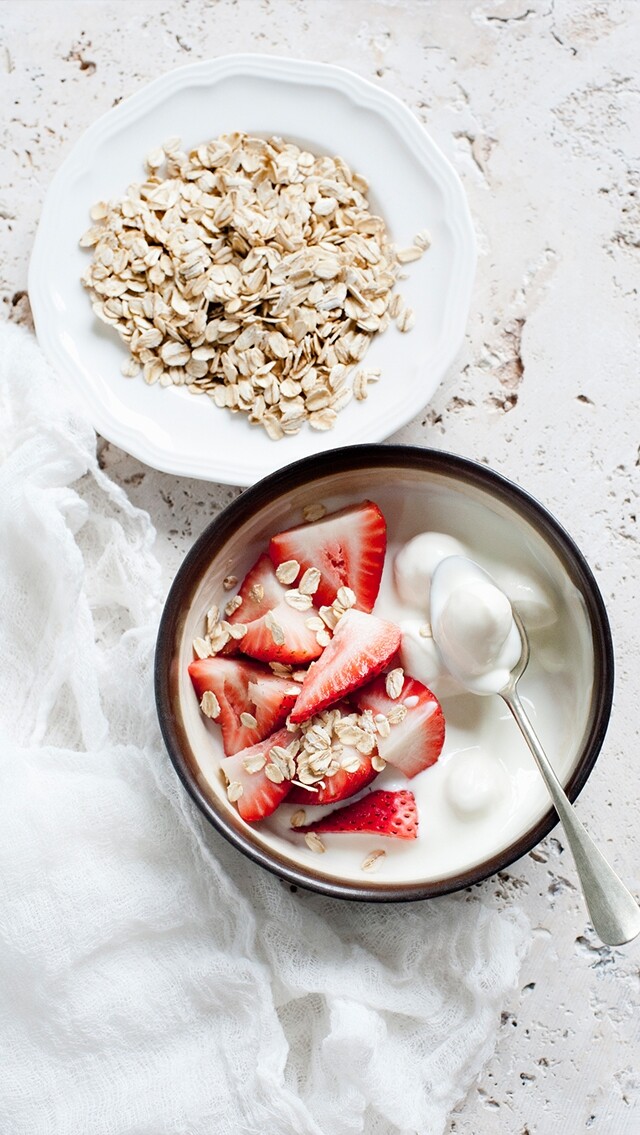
(473, 626)
(535, 606)
(474, 781)
(416, 562)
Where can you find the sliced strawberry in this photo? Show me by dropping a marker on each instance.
(260, 796)
(271, 696)
(339, 786)
(361, 646)
(416, 742)
(380, 813)
(259, 591)
(263, 603)
(347, 547)
(300, 644)
(243, 687)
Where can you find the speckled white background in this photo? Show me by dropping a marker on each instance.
(537, 104)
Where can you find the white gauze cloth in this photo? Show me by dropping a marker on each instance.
(154, 981)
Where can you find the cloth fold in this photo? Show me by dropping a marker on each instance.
(154, 982)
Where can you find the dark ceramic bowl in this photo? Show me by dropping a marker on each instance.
(418, 490)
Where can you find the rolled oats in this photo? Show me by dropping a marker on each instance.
(372, 859)
(213, 614)
(406, 320)
(288, 571)
(406, 255)
(312, 512)
(236, 631)
(233, 605)
(314, 843)
(210, 705)
(131, 367)
(394, 682)
(314, 623)
(250, 271)
(350, 762)
(329, 617)
(360, 383)
(345, 598)
(366, 743)
(310, 581)
(383, 727)
(255, 763)
(274, 628)
(297, 600)
(219, 637)
(396, 715)
(202, 648)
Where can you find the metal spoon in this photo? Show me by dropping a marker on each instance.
(614, 912)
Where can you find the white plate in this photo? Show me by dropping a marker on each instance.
(328, 110)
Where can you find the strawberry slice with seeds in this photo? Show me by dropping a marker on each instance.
(347, 547)
(415, 742)
(276, 631)
(361, 647)
(344, 783)
(243, 688)
(259, 591)
(379, 813)
(255, 795)
(282, 635)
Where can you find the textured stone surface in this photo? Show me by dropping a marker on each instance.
(537, 104)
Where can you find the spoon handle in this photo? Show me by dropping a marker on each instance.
(614, 912)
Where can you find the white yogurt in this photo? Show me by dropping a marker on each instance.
(535, 605)
(473, 627)
(475, 783)
(415, 563)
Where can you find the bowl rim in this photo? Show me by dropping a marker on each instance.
(317, 467)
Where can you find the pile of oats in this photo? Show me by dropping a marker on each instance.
(251, 271)
(321, 747)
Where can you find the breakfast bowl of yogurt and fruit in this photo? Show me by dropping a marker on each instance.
(328, 665)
